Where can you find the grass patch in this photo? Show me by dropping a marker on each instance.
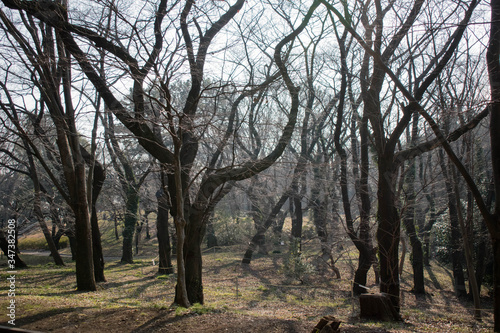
(38, 242)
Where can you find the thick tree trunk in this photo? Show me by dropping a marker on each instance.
(194, 263)
(388, 232)
(85, 279)
(364, 242)
(496, 278)
(493, 58)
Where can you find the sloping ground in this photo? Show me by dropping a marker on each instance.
(262, 297)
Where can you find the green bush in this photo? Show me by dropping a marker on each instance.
(230, 230)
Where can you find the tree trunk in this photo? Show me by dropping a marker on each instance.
(4, 245)
(319, 208)
(417, 253)
(493, 58)
(85, 279)
(388, 232)
(457, 257)
(115, 218)
(164, 248)
(297, 221)
(247, 258)
(132, 207)
(468, 253)
(189, 288)
(193, 262)
(364, 242)
(97, 182)
(211, 238)
(46, 232)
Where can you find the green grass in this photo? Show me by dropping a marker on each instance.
(38, 242)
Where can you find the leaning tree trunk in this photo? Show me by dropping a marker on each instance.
(271, 218)
(4, 246)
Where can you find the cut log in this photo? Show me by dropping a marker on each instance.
(327, 324)
(377, 307)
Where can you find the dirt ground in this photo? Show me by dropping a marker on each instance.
(256, 298)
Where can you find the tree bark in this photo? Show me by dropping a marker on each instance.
(4, 246)
(164, 247)
(131, 211)
(388, 232)
(457, 257)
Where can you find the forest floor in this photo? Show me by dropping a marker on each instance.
(262, 297)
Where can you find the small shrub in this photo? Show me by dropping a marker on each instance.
(294, 266)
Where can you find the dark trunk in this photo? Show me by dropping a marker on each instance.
(4, 245)
(426, 232)
(496, 278)
(297, 220)
(97, 183)
(211, 238)
(115, 218)
(138, 231)
(493, 58)
(193, 262)
(417, 253)
(146, 225)
(457, 257)
(72, 244)
(85, 279)
(247, 258)
(388, 233)
(483, 252)
(164, 248)
(46, 232)
(132, 206)
(57, 238)
(97, 248)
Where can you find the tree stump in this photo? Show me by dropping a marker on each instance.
(377, 307)
(327, 324)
